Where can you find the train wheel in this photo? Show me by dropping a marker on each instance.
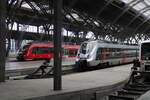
(107, 64)
(21, 59)
(80, 67)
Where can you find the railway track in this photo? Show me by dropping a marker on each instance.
(37, 74)
(65, 70)
(130, 92)
(137, 86)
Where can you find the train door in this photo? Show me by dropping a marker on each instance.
(123, 57)
(100, 54)
(34, 53)
(145, 56)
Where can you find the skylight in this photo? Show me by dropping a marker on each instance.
(139, 6)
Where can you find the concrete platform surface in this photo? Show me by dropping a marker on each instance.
(27, 89)
(146, 96)
(16, 65)
(15, 68)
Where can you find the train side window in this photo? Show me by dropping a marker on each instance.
(113, 53)
(117, 53)
(43, 50)
(34, 50)
(71, 52)
(75, 52)
(66, 51)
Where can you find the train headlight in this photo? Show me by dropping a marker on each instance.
(141, 62)
(147, 58)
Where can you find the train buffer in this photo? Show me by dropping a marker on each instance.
(44, 71)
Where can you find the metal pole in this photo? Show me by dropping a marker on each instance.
(2, 39)
(17, 39)
(57, 44)
(38, 29)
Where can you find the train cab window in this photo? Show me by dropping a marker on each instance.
(25, 47)
(83, 48)
(86, 48)
(89, 47)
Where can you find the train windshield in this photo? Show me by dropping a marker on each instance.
(25, 47)
(86, 48)
(145, 51)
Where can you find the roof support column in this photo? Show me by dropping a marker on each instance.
(2, 39)
(57, 44)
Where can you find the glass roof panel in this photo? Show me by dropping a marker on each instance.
(127, 1)
(139, 6)
(147, 2)
(147, 13)
(26, 6)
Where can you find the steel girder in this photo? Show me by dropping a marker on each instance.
(100, 12)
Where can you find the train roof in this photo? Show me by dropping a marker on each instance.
(51, 42)
(110, 44)
(146, 41)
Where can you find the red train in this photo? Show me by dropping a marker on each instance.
(44, 50)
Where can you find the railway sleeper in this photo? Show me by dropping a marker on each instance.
(129, 94)
(136, 89)
(114, 97)
(147, 84)
(139, 86)
(131, 91)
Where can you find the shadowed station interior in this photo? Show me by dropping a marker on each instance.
(74, 49)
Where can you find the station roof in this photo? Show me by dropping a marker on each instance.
(117, 18)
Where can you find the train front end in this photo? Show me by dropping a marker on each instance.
(145, 56)
(85, 55)
(22, 52)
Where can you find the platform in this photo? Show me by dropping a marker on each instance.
(15, 68)
(79, 86)
(146, 96)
